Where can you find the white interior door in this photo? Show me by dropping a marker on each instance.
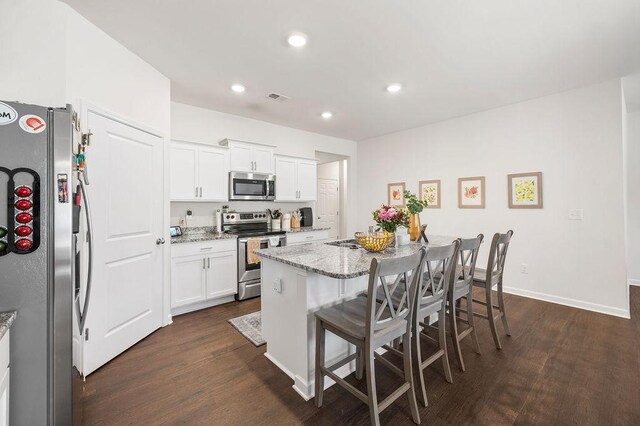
(126, 193)
(327, 207)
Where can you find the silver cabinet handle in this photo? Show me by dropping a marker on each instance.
(200, 191)
(203, 263)
(208, 263)
(196, 191)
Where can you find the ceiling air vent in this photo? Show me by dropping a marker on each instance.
(278, 97)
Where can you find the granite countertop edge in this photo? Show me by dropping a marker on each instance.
(200, 234)
(6, 319)
(324, 272)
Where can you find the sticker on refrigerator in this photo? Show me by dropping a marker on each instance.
(32, 124)
(7, 114)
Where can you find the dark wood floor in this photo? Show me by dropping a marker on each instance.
(561, 366)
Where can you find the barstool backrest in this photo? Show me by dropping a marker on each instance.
(468, 257)
(400, 274)
(497, 257)
(439, 264)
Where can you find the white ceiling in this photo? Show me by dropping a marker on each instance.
(452, 57)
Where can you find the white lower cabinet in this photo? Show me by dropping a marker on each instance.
(296, 238)
(203, 274)
(4, 380)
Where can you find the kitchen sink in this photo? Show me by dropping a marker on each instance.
(352, 244)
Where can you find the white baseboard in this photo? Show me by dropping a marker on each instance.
(201, 305)
(603, 309)
(632, 281)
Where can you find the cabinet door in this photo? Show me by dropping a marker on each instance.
(183, 171)
(213, 174)
(307, 180)
(263, 158)
(286, 179)
(241, 158)
(187, 280)
(4, 396)
(222, 275)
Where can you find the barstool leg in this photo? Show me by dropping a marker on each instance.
(408, 377)
(501, 305)
(442, 339)
(319, 362)
(359, 363)
(490, 317)
(371, 385)
(453, 319)
(418, 361)
(474, 336)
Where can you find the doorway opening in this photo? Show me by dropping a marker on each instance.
(330, 205)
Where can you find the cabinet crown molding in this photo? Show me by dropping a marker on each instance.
(229, 142)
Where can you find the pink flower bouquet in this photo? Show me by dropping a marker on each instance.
(390, 218)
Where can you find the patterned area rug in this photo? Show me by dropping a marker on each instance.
(250, 326)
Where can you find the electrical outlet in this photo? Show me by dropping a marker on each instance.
(524, 268)
(277, 285)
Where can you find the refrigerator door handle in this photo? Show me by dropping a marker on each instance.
(82, 314)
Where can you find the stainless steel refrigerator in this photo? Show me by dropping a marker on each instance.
(41, 202)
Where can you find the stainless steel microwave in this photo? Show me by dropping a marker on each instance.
(251, 186)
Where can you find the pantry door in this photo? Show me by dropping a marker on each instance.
(125, 168)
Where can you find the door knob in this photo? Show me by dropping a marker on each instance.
(160, 241)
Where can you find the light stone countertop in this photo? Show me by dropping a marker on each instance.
(202, 233)
(6, 319)
(341, 262)
(308, 229)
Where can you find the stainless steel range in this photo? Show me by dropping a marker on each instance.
(253, 232)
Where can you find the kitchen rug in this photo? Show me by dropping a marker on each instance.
(250, 326)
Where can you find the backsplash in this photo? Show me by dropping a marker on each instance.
(204, 213)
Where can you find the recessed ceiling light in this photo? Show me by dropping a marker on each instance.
(238, 88)
(297, 39)
(327, 115)
(394, 88)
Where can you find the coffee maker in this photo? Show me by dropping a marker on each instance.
(307, 216)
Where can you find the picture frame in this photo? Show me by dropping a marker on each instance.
(525, 190)
(471, 192)
(431, 190)
(395, 194)
(175, 231)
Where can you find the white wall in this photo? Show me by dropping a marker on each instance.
(575, 139)
(633, 197)
(194, 124)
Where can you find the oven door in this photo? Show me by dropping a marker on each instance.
(251, 186)
(251, 271)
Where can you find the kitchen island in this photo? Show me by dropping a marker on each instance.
(299, 280)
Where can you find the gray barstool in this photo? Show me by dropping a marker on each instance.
(462, 287)
(430, 299)
(482, 279)
(369, 325)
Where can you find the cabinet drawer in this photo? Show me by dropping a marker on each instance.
(202, 247)
(4, 352)
(306, 237)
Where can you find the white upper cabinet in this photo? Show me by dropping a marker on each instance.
(286, 186)
(198, 172)
(249, 157)
(183, 159)
(296, 179)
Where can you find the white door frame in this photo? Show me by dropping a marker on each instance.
(85, 108)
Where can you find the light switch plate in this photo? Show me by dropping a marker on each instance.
(575, 214)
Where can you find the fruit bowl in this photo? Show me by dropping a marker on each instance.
(374, 242)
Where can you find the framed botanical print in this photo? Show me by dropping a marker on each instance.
(430, 190)
(471, 193)
(525, 190)
(395, 193)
